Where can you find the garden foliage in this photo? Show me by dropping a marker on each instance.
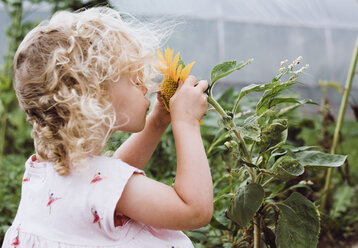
(259, 210)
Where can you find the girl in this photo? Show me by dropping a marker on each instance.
(79, 78)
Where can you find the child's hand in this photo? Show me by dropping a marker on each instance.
(189, 103)
(160, 114)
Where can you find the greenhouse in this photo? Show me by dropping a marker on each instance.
(322, 32)
(279, 133)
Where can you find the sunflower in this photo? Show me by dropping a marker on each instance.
(173, 71)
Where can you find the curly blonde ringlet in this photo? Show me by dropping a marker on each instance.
(63, 69)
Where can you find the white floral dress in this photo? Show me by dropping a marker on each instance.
(77, 210)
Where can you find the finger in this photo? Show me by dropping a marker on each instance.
(191, 80)
(202, 85)
(180, 84)
(159, 95)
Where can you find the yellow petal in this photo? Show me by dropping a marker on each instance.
(174, 65)
(177, 74)
(169, 56)
(163, 70)
(162, 67)
(201, 122)
(185, 72)
(160, 57)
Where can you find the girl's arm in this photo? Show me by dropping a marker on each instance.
(139, 147)
(189, 204)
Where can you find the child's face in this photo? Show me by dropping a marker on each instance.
(130, 104)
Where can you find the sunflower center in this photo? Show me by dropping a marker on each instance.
(167, 89)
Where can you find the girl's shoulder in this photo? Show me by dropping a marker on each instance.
(110, 161)
(112, 166)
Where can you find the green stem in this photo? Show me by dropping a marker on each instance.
(266, 207)
(251, 173)
(264, 171)
(219, 140)
(268, 181)
(257, 232)
(252, 148)
(223, 113)
(242, 145)
(337, 130)
(217, 106)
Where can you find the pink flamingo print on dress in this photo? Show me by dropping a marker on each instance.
(16, 240)
(97, 177)
(33, 159)
(32, 164)
(51, 200)
(96, 218)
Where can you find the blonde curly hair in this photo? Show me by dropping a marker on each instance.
(62, 72)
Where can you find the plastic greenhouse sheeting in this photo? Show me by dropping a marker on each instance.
(323, 32)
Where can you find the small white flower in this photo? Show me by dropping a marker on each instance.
(283, 62)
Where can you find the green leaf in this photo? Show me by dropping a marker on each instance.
(225, 122)
(273, 135)
(220, 223)
(342, 199)
(224, 69)
(180, 62)
(316, 158)
(250, 128)
(254, 88)
(278, 152)
(198, 236)
(298, 149)
(287, 168)
(245, 204)
(298, 223)
(247, 164)
(300, 185)
(276, 101)
(294, 106)
(270, 94)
